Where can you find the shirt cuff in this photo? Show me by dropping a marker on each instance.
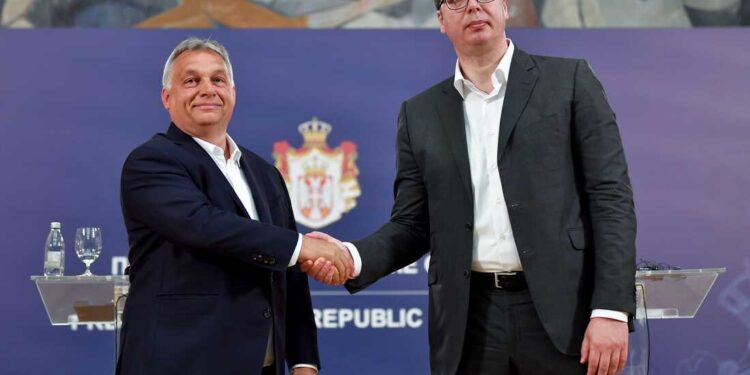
(355, 256)
(306, 365)
(295, 255)
(610, 314)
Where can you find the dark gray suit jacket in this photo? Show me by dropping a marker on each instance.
(567, 190)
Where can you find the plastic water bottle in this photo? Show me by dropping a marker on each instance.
(54, 252)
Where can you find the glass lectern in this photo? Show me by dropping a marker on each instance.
(72, 300)
(665, 294)
(81, 299)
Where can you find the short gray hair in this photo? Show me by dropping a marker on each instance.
(195, 44)
(438, 3)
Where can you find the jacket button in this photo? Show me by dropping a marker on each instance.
(469, 227)
(467, 273)
(267, 313)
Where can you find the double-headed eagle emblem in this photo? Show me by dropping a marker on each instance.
(322, 181)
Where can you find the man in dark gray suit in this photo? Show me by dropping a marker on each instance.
(512, 175)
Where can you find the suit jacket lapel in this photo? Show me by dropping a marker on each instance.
(257, 188)
(521, 82)
(451, 112)
(216, 177)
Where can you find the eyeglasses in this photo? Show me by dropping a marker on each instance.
(461, 4)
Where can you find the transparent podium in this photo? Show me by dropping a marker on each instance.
(665, 294)
(81, 299)
(73, 300)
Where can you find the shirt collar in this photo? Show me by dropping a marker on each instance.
(500, 77)
(217, 152)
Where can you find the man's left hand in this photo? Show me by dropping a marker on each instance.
(605, 346)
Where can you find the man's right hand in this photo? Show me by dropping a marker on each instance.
(326, 260)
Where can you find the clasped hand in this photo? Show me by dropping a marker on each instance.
(325, 259)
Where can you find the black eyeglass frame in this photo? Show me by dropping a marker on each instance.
(465, 2)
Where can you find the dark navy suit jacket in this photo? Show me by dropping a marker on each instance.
(207, 281)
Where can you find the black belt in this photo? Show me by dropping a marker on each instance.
(508, 281)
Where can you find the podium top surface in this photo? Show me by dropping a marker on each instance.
(669, 294)
(641, 274)
(96, 279)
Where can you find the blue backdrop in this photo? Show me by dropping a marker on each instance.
(73, 103)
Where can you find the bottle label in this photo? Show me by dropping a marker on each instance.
(53, 257)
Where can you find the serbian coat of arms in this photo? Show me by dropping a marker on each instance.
(322, 181)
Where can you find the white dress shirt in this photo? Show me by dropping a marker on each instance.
(236, 178)
(493, 246)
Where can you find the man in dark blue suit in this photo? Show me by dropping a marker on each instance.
(215, 286)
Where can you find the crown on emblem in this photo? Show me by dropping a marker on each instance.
(314, 131)
(315, 167)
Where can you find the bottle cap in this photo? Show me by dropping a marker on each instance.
(54, 225)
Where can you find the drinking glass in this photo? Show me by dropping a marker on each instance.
(88, 246)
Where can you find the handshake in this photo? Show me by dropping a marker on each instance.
(325, 259)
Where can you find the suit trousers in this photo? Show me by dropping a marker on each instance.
(504, 336)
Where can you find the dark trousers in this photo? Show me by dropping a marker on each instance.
(504, 336)
(270, 370)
